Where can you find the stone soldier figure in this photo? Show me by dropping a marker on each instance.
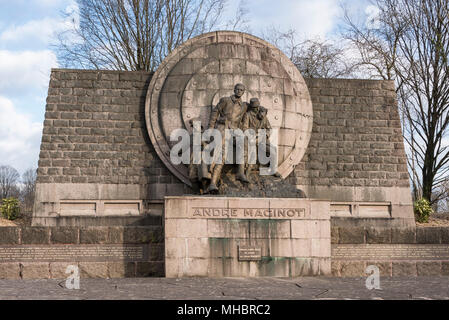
(256, 119)
(199, 174)
(227, 114)
(264, 122)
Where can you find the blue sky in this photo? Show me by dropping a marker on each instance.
(27, 29)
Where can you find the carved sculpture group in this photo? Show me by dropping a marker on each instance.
(230, 113)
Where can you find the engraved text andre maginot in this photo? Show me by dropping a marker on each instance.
(248, 213)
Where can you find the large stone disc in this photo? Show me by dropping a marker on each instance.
(190, 81)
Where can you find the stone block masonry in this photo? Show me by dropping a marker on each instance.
(357, 138)
(420, 251)
(237, 237)
(96, 159)
(121, 252)
(356, 155)
(94, 130)
(99, 252)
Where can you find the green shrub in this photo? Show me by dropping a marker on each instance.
(10, 208)
(422, 210)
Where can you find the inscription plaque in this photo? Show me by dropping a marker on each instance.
(250, 253)
(66, 253)
(390, 252)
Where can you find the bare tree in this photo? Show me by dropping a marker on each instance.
(133, 34)
(28, 189)
(409, 41)
(315, 58)
(323, 59)
(240, 21)
(9, 177)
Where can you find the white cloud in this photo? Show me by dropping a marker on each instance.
(372, 19)
(48, 3)
(19, 137)
(310, 18)
(21, 71)
(314, 18)
(42, 30)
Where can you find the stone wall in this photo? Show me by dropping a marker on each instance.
(357, 138)
(421, 241)
(420, 251)
(356, 153)
(29, 252)
(94, 130)
(95, 147)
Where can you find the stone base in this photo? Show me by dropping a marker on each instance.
(246, 237)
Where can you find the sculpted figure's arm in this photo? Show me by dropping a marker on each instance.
(265, 123)
(244, 125)
(215, 114)
(267, 127)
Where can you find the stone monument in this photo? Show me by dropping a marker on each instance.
(107, 146)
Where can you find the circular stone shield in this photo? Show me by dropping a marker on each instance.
(192, 79)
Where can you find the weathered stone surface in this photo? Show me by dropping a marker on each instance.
(204, 237)
(385, 268)
(35, 235)
(444, 231)
(121, 269)
(9, 271)
(58, 269)
(334, 235)
(259, 186)
(404, 269)
(377, 235)
(352, 269)
(93, 270)
(430, 268)
(30, 270)
(115, 234)
(351, 235)
(274, 229)
(428, 235)
(64, 235)
(94, 235)
(403, 235)
(150, 269)
(343, 126)
(445, 268)
(335, 268)
(9, 235)
(136, 235)
(156, 252)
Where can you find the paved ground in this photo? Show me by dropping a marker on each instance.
(229, 289)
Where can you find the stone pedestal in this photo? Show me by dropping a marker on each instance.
(246, 237)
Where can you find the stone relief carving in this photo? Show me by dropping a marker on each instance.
(199, 77)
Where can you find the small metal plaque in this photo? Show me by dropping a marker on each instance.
(250, 253)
